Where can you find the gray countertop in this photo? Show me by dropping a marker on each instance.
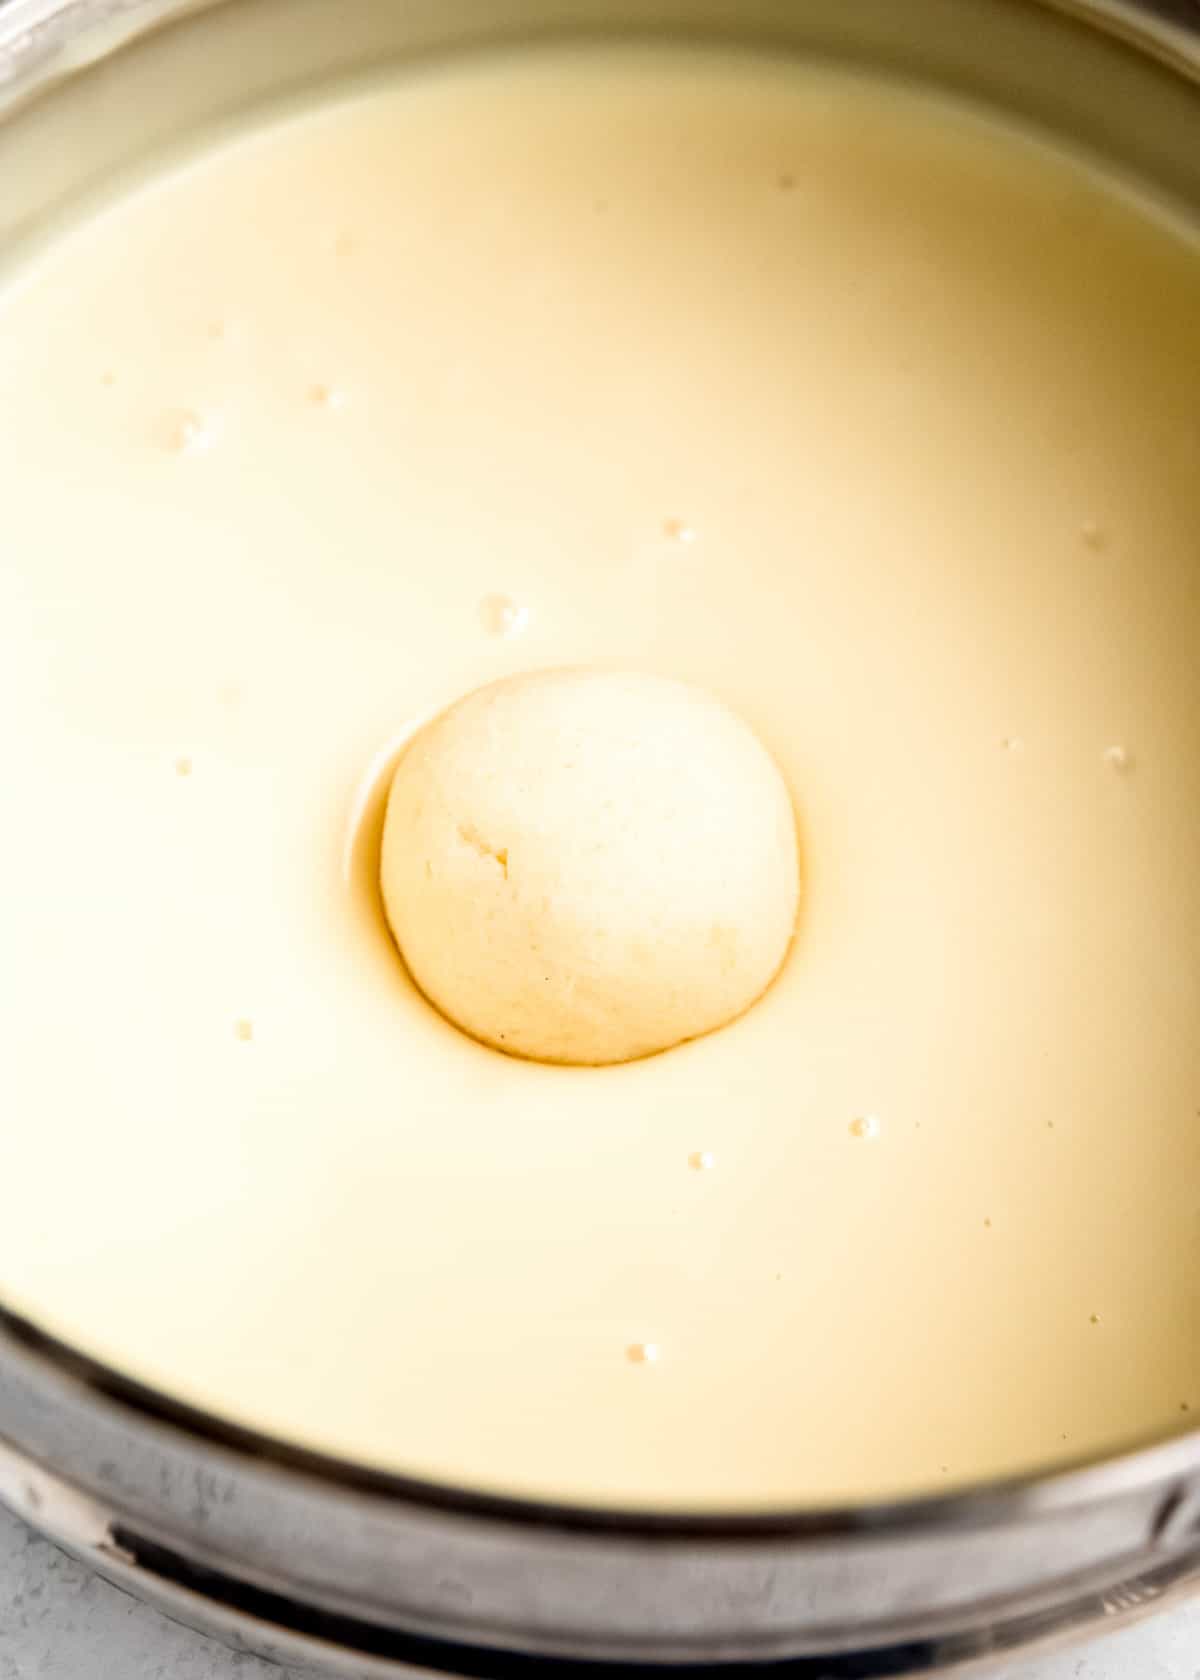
(58, 1622)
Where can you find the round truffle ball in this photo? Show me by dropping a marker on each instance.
(590, 866)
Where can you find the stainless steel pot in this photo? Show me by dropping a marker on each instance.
(329, 1565)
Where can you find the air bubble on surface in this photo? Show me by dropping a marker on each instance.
(500, 615)
(865, 1126)
(190, 433)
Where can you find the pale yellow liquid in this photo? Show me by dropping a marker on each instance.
(878, 421)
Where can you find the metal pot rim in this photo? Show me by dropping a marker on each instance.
(1146, 1462)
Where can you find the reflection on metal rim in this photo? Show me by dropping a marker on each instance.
(1144, 1464)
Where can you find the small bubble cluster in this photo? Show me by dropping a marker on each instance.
(500, 615)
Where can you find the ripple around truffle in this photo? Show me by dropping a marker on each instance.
(590, 867)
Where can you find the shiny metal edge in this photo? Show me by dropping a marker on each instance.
(289, 1633)
(446, 1581)
(35, 32)
(1142, 1466)
(1165, 31)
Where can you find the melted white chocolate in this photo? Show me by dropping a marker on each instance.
(877, 421)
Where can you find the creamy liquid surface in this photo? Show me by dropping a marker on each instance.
(877, 421)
